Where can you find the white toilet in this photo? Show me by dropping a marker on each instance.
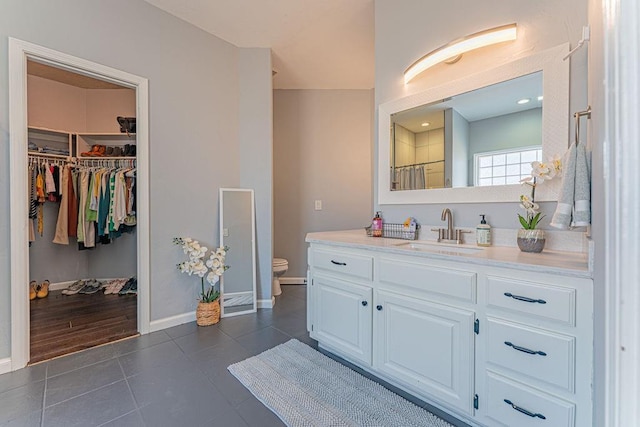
(280, 266)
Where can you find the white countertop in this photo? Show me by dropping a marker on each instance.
(548, 261)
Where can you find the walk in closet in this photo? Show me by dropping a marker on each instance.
(82, 211)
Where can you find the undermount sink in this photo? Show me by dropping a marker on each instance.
(439, 248)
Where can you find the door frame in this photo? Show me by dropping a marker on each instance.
(19, 52)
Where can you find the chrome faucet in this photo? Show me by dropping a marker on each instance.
(449, 234)
(448, 216)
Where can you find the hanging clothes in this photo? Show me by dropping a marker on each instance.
(62, 232)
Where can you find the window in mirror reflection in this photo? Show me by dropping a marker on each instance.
(505, 166)
(438, 145)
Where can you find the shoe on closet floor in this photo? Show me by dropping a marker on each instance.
(131, 287)
(91, 286)
(33, 289)
(74, 288)
(44, 289)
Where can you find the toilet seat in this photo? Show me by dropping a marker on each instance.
(279, 262)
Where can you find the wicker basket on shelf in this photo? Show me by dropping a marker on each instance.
(208, 313)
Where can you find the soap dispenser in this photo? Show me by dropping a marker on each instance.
(483, 233)
(376, 225)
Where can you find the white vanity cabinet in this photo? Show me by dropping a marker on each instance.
(493, 345)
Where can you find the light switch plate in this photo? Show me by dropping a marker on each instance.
(318, 205)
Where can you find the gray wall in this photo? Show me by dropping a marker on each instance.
(403, 34)
(322, 151)
(256, 152)
(194, 126)
(521, 129)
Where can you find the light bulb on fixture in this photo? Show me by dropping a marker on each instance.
(540, 98)
(425, 124)
(458, 47)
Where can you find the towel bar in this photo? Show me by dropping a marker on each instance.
(577, 116)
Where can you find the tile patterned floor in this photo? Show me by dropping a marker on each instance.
(174, 377)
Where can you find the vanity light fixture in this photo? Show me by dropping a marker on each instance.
(540, 98)
(524, 101)
(457, 47)
(425, 124)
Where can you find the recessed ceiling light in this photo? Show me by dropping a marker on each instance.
(524, 101)
(425, 124)
(540, 98)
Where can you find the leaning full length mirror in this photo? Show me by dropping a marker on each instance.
(475, 149)
(237, 231)
(488, 136)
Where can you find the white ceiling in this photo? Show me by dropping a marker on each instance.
(316, 44)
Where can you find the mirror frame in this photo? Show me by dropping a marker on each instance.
(253, 251)
(555, 129)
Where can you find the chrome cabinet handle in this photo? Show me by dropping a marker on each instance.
(364, 303)
(338, 263)
(524, 411)
(525, 299)
(525, 350)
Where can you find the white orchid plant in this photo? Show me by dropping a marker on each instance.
(540, 172)
(208, 267)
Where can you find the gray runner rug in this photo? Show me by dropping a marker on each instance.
(306, 388)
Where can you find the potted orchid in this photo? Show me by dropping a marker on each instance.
(531, 239)
(209, 265)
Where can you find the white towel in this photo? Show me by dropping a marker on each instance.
(574, 208)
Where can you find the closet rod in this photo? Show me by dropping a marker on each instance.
(577, 116)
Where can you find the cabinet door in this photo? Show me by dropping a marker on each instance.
(343, 317)
(427, 346)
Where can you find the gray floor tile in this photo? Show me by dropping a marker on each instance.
(83, 380)
(292, 324)
(79, 360)
(20, 401)
(23, 376)
(132, 419)
(138, 343)
(165, 381)
(201, 339)
(232, 389)
(264, 339)
(150, 357)
(91, 409)
(240, 325)
(215, 359)
(184, 329)
(32, 419)
(256, 414)
(192, 403)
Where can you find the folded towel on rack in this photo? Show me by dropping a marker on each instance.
(574, 206)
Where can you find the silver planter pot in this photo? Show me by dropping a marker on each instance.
(531, 240)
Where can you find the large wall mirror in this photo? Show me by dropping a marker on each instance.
(237, 231)
(473, 139)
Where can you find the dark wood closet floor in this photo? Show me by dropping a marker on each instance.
(62, 324)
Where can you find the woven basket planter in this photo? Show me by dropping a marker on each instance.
(208, 313)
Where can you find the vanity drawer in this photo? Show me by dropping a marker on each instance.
(542, 355)
(451, 282)
(541, 300)
(355, 265)
(511, 403)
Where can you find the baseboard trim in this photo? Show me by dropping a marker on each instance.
(265, 303)
(168, 322)
(293, 280)
(5, 365)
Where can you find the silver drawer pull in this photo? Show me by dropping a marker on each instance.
(338, 263)
(525, 350)
(524, 411)
(525, 299)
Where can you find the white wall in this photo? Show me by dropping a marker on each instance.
(194, 126)
(322, 151)
(406, 30)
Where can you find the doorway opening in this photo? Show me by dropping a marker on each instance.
(39, 133)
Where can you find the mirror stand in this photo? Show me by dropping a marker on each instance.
(237, 231)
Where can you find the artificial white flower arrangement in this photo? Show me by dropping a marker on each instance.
(540, 172)
(210, 267)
